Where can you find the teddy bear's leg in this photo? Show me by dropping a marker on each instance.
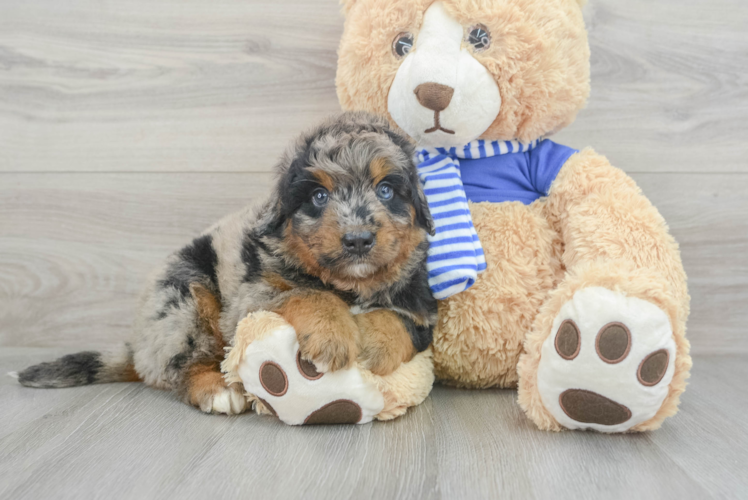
(608, 349)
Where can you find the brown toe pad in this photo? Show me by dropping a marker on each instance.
(613, 343)
(342, 411)
(591, 408)
(568, 340)
(307, 368)
(273, 378)
(653, 368)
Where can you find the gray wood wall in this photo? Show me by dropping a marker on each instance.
(128, 127)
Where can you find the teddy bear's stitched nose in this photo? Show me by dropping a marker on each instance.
(434, 96)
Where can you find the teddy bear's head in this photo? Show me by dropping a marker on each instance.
(451, 71)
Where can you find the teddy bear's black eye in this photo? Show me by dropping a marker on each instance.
(479, 37)
(402, 44)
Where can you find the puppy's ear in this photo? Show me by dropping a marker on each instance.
(281, 202)
(277, 219)
(423, 214)
(418, 199)
(290, 176)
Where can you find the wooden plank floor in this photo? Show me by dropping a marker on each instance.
(128, 127)
(122, 441)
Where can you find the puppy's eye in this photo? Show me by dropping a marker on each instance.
(479, 37)
(384, 191)
(320, 197)
(402, 44)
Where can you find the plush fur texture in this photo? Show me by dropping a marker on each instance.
(343, 234)
(595, 229)
(539, 58)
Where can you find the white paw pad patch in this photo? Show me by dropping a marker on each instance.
(297, 392)
(608, 362)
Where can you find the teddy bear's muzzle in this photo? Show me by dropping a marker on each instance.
(434, 96)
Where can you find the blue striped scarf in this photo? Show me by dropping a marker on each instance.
(455, 255)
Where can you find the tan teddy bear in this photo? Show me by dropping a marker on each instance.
(557, 275)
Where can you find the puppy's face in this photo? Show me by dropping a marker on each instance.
(351, 201)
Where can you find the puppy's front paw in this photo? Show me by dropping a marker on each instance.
(328, 350)
(228, 400)
(378, 361)
(325, 329)
(384, 342)
(205, 388)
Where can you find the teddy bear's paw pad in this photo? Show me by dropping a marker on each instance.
(608, 363)
(613, 343)
(342, 411)
(568, 340)
(653, 368)
(307, 368)
(592, 408)
(228, 400)
(298, 392)
(273, 378)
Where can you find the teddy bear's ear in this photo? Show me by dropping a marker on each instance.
(580, 2)
(347, 4)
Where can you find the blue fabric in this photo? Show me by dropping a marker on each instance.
(494, 171)
(455, 255)
(523, 177)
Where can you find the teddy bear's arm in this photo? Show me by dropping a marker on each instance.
(603, 217)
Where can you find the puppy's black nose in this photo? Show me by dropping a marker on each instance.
(358, 243)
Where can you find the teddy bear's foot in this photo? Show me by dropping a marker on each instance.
(608, 362)
(295, 390)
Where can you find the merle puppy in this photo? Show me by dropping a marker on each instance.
(338, 250)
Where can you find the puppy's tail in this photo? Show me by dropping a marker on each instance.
(83, 368)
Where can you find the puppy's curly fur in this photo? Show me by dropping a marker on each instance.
(338, 250)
